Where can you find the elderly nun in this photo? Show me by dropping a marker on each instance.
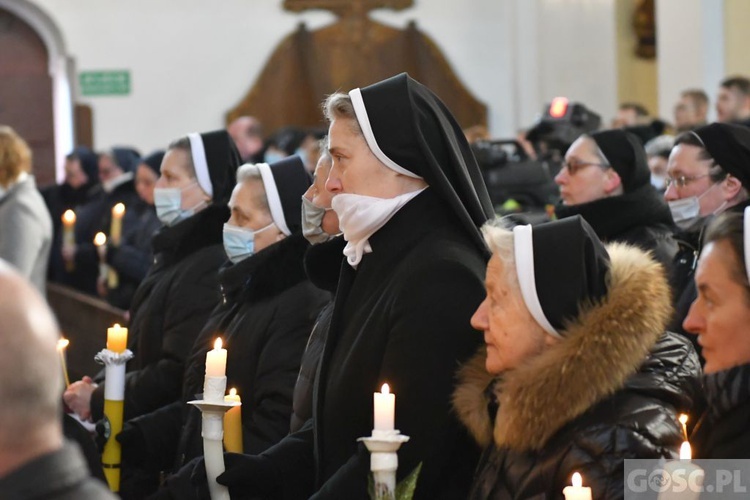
(577, 373)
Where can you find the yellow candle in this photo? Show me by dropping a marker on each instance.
(117, 338)
(216, 360)
(61, 345)
(99, 241)
(577, 491)
(385, 407)
(115, 228)
(233, 424)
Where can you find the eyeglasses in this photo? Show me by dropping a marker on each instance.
(682, 181)
(574, 167)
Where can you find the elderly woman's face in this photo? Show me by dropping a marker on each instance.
(510, 332)
(321, 198)
(249, 212)
(721, 313)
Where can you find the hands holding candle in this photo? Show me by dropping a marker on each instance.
(577, 491)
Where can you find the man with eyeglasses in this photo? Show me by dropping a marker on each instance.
(708, 173)
(605, 178)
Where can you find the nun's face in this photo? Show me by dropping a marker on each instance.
(145, 180)
(74, 174)
(108, 169)
(355, 170)
(721, 312)
(175, 173)
(249, 211)
(320, 197)
(510, 332)
(583, 178)
(685, 162)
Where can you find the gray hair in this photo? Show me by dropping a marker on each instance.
(251, 172)
(501, 241)
(339, 105)
(29, 364)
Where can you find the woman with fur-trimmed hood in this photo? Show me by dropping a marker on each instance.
(578, 374)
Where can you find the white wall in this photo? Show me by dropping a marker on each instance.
(192, 60)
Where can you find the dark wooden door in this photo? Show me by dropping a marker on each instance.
(26, 92)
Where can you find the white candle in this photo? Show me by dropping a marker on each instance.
(684, 478)
(62, 344)
(577, 491)
(115, 228)
(385, 406)
(69, 225)
(216, 360)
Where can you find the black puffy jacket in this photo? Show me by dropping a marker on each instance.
(587, 403)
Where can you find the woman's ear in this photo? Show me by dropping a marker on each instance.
(730, 187)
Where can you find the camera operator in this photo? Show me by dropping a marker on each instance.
(605, 178)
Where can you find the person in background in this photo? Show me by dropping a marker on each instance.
(35, 460)
(25, 223)
(657, 154)
(605, 178)
(631, 114)
(720, 316)
(132, 259)
(181, 289)
(691, 111)
(733, 101)
(247, 134)
(81, 185)
(578, 373)
(708, 174)
(116, 172)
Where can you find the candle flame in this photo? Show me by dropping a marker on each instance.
(69, 217)
(100, 239)
(683, 419)
(217, 344)
(116, 326)
(232, 391)
(685, 451)
(118, 209)
(577, 480)
(385, 389)
(62, 343)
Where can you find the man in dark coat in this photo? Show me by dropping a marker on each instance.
(708, 173)
(35, 460)
(116, 168)
(606, 180)
(559, 388)
(410, 198)
(181, 289)
(265, 318)
(720, 316)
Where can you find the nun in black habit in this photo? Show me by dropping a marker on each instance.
(181, 289)
(412, 277)
(638, 215)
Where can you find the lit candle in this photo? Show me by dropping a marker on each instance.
(577, 491)
(69, 238)
(100, 240)
(683, 421)
(115, 229)
(216, 360)
(61, 345)
(385, 406)
(690, 475)
(233, 423)
(117, 338)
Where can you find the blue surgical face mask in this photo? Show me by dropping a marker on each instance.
(239, 242)
(168, 204)
(312, 221)
(272, 157)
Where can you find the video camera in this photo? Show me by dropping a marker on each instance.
(523, 181)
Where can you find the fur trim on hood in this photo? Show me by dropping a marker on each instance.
(602, 347)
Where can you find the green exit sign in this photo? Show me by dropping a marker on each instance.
(116, 82)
